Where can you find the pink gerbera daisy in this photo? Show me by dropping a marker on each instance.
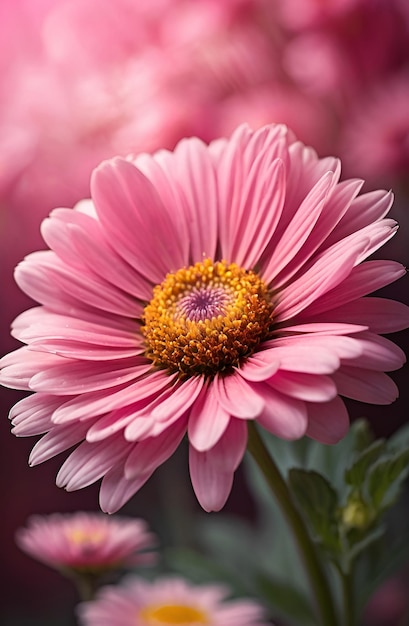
(87, 542)
(199, 289)
(168, 601)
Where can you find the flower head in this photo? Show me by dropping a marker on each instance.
(199, 289)
(87, 542)
(168, 601)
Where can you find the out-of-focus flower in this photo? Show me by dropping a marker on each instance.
(388, 605)
(199, 289)
(300, 14)
(376, 138)
(87, 542)
(168, 601)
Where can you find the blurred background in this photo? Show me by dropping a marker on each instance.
(83, 80)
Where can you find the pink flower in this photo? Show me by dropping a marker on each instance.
(199, 289)
(300, 14)
(87, 541)
(376, 137)
(167, 601)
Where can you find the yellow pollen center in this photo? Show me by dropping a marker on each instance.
(173, 614)
(80, 537)
(206, 318)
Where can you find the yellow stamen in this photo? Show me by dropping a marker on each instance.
(80, 537)
(206, 318)
(173, 614)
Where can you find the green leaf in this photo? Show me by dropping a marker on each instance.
(385, 478)
(319, 501)
(361, 543)
(362, 435)
(356, 474)
(201, 569)
(400, 439)
(286, 601)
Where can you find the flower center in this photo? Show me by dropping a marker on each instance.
(173, 614)
(206, 318)
(81, 537)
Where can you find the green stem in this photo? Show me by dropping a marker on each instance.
(348, 598)
(316, 574)
(87, 585)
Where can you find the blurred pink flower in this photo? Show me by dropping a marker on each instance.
(87, 542)
(168, 601)
(199, 289)
(376, 137)
(300, 14)
(389, 603)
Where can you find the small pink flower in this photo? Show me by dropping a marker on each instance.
(168, 601)
(87, 542)
(199, 289)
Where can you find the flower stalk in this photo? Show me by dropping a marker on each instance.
(320, 588)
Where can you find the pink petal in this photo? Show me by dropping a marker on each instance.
(308, 387)
(116, 490)
(114, 421)
(343, 347)
(18, 367)
(365, 209)
(365, 385)
(56, 234)
(139, 225)
(258, 367)
(38, 323)
(32, 415)
(297, 358)
(147, 455)
(31, 276)
(90, 461)
(80, 377)
(84, 287)
(327, 422)
(327, 272)
(166, 408)
(208, 420)
(85, 351)
(160, 169)
(198, 187)
(237, 397)
(322, 329)
(100, 402)
(179, 399)
(378, 314)
(299, 229)
(283, 416)
(263, 196)
(237, 163)
(56, 441)
(340, 199)
(212, 471)
(137, 426)
(363, 279)
(304, 171)
(104, 261)
(378, 353)
(378, 235)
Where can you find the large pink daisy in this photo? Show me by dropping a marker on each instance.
(199, 289)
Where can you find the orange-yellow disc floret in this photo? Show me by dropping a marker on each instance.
(206, 318)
